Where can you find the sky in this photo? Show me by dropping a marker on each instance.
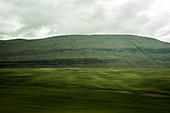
(33, 19)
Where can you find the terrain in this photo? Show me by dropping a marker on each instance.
(84, 90)
(85, 74)
(114, 51)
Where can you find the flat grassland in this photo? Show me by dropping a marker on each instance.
(84, 90)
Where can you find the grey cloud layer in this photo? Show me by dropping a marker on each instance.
(41, 18)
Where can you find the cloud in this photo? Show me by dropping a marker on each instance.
(37, 18)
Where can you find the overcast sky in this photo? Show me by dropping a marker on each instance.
(33, 19)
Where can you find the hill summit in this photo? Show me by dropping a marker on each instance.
(113, 51)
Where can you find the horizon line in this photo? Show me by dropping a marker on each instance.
(77, 34)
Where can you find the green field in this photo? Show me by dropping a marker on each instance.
(84, 90)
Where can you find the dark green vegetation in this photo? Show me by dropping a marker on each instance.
(85, 51)
(86, 90)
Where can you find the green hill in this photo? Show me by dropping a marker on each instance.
(119, 51)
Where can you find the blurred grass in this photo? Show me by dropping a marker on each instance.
(84, 90)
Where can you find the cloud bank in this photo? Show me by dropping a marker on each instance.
(33, 19)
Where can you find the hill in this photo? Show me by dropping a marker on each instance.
(119, 51)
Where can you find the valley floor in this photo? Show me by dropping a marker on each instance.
(84, 90)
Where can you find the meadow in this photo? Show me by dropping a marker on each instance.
(84, 90)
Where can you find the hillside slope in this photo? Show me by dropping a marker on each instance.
(85, 51)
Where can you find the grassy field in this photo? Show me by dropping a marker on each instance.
(84, 90)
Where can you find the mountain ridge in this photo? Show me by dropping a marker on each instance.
(32, 39)
(86, 51)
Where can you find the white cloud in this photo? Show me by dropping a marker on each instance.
(44, 31)
(42, 18)
(8, 22)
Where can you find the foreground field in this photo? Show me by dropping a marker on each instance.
(84, 90)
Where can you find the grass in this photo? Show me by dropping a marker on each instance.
(84, 90)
